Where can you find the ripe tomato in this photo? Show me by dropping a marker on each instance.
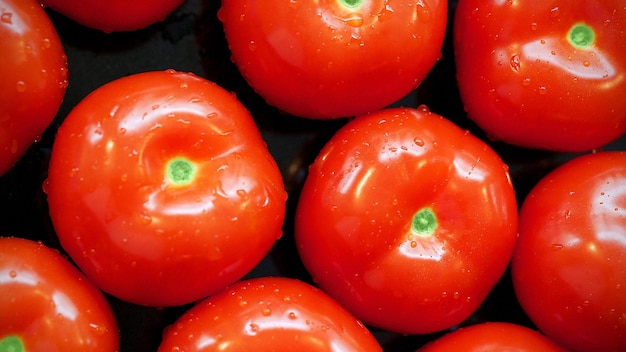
(493, 336)
(568, 269)
(114, 15)
(334, 58)
(46, 304)
(33, 67)
(162, 189)
(543, 74)
(407, 220)
(268, 314)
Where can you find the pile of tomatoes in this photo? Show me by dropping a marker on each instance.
(345, 175)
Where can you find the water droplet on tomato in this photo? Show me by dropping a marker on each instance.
(423, 11)
(533, 26)
(557, 246)
(526, 82)
(12, 274)
(542, 90)
(146, 219)
(586, 63)
(418, 142)
(515, 63)
(266, 311)
(292, 315)
(252, 45)
(353, 19)
(45, 186)
(253, 328)
(6, 17)
(20, 86)
(46, 43)
(555, 11)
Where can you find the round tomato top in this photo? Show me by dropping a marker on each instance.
(114, 15)
(334, 58)
(269, 314)
(407, 220)
(547, 75)
(568, 267)
(33, 67)
(46, 304)
(493, 336)
(162, 189)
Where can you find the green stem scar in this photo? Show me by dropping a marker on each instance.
(581, 36)
(350, 3)
(180, 171)
(424, 222)
(11, 343)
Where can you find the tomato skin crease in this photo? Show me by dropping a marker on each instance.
(48, 304)
(141, 235)
(329, 59)
(268, 314)
(524, 79)
(567, 267)
(34, 72)
(362, 194)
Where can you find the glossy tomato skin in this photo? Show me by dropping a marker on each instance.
(33, 67)
(48, 305)
(568, 267)
(121, 206)
(268, 314)
(522, 81)
(114, 15)
(326, 59)
(493, 336)
(354, 220)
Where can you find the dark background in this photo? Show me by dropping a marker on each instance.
(191, 39)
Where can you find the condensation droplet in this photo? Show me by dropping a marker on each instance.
(555, 11)
(266, 311)
(6, 17)
(20, 86)
(515, 63)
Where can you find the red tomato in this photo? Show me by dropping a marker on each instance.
(114, 15)
(407, 220)
(268, 314)
(334, 58)
(162, 189)
(569, 266)
(494, 336)
(544, 74)
(33, 67)
(47, 305)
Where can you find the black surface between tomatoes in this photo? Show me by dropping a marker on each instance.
(191, 39)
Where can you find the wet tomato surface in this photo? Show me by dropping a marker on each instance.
(33, 68)
(162, 189)
(547, 75)
(48, 304)
(415, 220)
